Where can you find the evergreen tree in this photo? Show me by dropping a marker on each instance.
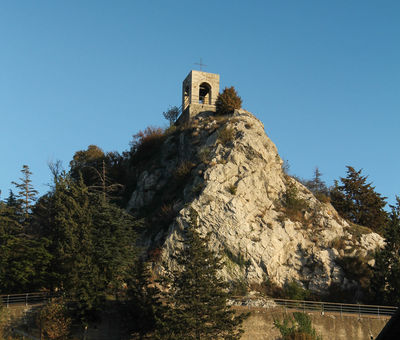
(27, 194)
(316, 185)
(386, 278)
(144, 306)
(357, 201)
(197, 297)
(24, 259)
(92, 243)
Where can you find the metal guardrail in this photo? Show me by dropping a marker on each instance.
(26, 298)
(332, 307)
(309, 306)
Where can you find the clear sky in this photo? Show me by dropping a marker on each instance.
(323, 77)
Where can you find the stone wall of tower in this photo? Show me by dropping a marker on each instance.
(190, 93)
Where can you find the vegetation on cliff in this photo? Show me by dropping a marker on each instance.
(79, 239)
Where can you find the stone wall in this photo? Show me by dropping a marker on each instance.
(332, 326)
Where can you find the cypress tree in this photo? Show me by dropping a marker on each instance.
(197, 296)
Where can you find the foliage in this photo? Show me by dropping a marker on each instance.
(357, 268)
(146, 143)
(268, 287)
(357, 201)
(298, 327)
(184, 169)
(294, 291)
(100, 172)
(386, 276)
(239, 288)
(172, 114)
(197, 297)
(318, 187)
(92, 245)
(23, 264)
(85, 162)
(144, 306)
(26, 194)
(53, 320)
(228, 101)
(226, 135)
(293, 204)
(23, 258)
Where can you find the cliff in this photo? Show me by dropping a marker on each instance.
(263, 222)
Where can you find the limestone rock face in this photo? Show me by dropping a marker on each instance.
(236, 184)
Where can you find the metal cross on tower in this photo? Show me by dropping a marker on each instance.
(200, 64)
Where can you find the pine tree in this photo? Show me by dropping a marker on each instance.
(386, 278)
(197, 297)
(357, 201)
(27, 194)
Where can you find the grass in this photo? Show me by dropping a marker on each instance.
(338, 243)
(204, 154)
(184, 169)
(226, 135)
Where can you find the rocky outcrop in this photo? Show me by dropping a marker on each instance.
(230, 173)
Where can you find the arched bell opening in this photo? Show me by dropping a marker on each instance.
(205, 94)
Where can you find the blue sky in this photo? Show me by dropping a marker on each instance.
(323, 77)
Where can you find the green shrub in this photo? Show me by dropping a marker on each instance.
(146, 143)
(226, 135)
(268, 287)
(294, 206)
(297, 327)
(357, 268)
(228, 101)
(322, 197)
(294, 291)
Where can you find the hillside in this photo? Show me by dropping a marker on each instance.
(266, 225)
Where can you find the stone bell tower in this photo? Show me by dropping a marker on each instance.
(199, 92)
